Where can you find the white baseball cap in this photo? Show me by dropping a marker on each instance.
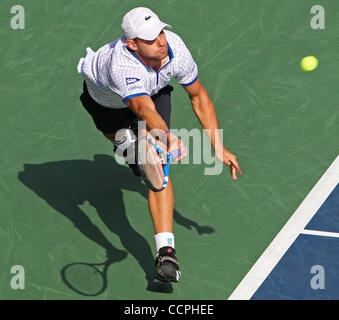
(142, 23)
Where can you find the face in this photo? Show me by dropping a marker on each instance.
(156, 49)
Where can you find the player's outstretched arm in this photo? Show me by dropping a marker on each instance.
(204, 110)
(144, 108)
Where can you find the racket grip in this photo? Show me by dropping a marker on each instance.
(175, 154)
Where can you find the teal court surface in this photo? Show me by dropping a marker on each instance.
(77, 222)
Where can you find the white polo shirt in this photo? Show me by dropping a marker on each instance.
(114, 74)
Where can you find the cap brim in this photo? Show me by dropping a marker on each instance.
(152, 33)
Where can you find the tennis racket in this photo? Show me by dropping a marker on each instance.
(153, 162)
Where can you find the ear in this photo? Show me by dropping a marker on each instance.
(131, 44)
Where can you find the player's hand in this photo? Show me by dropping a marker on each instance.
(175, 143)
(231, 160)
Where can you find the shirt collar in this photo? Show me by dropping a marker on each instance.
(170, 51)
(170, 56)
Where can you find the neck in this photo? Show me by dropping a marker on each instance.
(151, 63)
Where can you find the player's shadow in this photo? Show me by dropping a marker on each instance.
(65, 185)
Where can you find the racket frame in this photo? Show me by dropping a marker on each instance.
(165, 160)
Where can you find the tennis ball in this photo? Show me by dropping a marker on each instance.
(309, 63)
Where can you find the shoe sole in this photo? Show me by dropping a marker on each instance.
(159, 280)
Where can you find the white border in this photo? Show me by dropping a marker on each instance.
(321, 233)
(287, 235)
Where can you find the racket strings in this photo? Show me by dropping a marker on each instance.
(151, 164)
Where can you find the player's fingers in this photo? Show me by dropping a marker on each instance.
(232, 161)
(183, 150)
(231, 171)
(183, 154)
(236, 165)
(228, 161)
(234, 172)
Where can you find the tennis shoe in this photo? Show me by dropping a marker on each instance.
(167, 265)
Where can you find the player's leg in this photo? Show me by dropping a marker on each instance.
(161, 206)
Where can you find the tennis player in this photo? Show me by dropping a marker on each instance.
(126, 81)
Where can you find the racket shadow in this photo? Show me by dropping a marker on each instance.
(87, 279)
(65, 185)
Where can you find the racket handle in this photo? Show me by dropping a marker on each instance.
(175, 153)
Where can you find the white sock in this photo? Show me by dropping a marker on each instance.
(164, 239)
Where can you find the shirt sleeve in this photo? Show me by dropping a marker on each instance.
(187, 68)
(127, 83)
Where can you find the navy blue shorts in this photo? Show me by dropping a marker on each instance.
(109, 120)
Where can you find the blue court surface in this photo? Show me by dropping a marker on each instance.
(302, 262)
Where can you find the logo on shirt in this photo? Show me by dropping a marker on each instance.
(131, 80)
(147, 18)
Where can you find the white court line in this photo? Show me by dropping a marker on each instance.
(288, 234)
(321, 233)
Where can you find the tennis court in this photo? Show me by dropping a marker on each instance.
(66, 201)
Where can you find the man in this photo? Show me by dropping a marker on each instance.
(126, 81)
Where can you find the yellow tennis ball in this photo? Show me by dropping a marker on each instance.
(309, 63)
